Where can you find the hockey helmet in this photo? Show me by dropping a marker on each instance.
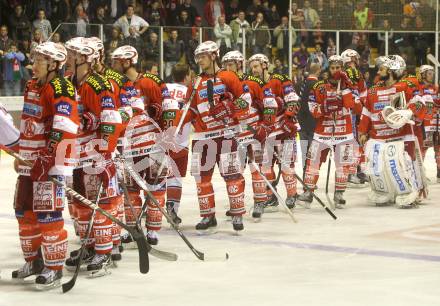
(82, 46)
(207, 47)
(52, 50)
(126, 52)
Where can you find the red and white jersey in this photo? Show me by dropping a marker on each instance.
(430, 92)
(372, 122)
(49, 121)
(9, 134)
(172, 112)
(332, 110)
(206, 126)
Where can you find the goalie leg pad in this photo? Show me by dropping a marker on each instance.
(54, 240)
(29, 233)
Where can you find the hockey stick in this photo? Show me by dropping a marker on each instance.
(332, 204)
(69, 285)
(210, 94)
(138, 179)
(143, 246)
(433, 60)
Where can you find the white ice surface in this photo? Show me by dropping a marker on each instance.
(369, 256)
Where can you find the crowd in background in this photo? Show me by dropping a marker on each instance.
(260, 26)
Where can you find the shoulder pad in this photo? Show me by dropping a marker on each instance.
(154, 77)
(286, 77)
(318, 84)
(408, 82)
(62, 87)
(98, 83)
(116, 76)
(277, 76)
(256, 80)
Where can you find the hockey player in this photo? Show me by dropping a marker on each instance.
(9, 135)
(216, 120)
(139, 146)
(49, 126)
(331, 104)
(429, 91)
(285, 128)
(262, 118)
(358, 86)
(172, 112)
(100, 129)
(386, 122)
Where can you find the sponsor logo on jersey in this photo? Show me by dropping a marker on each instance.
(268, 93)
(169, 115)
(63, 108)
(396, 175)
(32, 110)
(165, 93)
(380, 105)
(108, 128)
(245, 88)
(288, 89)
(107, 102)
(218, 90)
(29, 128)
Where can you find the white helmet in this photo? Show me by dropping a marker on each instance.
(97, 45)
(335, 59)
(126, 52)
(347, 56)
(52, 50)
(207, 47)
(380, 61)
(396, 64)
(82, 46)
(233, 56)
(425, 68)
(259, 57)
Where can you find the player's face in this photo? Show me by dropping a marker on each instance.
(40, 66)
(383, 73)
(70, 63)
(117, 65)
(230, 66)
(429, 76)
(335, 68)
(204, 61)
(256, 69)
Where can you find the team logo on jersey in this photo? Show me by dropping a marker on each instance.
(233, 189)
(124, 100)
(380, 106)
(245, 88)
(165, 93)
(268, 93)
(169, 115)
(288, 89)
(107, 102)
(29, 128)
(32, 110)
(63, 108)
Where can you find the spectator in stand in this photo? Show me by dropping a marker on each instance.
(32, 7)
(409, 10)
(386, 9)
(280, 68)
(12, 70)
(134, 41)
(152, 51)
(213, 9)
(101, 18)
(190, 9)
(237, 26)
(281, 34)
(60, 12)
(56, 38)
(81, 20)
(346, 9)
(301, 56)
(43, 24)
(113, 43)
(87, 7)
(116, 8)
(310, 15)
(25, 48)
(184, 25)
(331, 47)
(19, 23)
(37, 39)
(189, 51)
(253, 9)
(152, 67)
(173, 51)
(261, 38)
(131, 20)
(273, 16)
(298, 22)
(364, 51)
(427, 15)
(232, 11)
(297, 77)
(362, 16)
(386, 26)
(155, 14)
(318, 37)
(223, 35)
(319, 57)
(332, 17)
(5, 41)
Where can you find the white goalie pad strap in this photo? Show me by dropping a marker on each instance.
(398, 167)
(397, 118)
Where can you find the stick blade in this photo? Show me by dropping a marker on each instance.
(69, 285)
(143, 249)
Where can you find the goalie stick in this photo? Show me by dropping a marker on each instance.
(69, 285)
(143, 246)
(138, 179)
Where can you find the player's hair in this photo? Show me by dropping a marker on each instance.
(150, 64)
(179, 72)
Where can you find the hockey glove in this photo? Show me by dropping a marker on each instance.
(261, 133)
(40, 170)
(90, 122)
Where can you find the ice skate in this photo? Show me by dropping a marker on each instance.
(116, 254)
(29, 269)
(291, 201)
(127, 241)
(355, 182)
(237, 224)
(363, 177)
(257, 211)
(99, 265)
(338, 198)
(48, 279)
(406, 201)
(172, 209)
(305, 199)
(208, 225)
(72, 261)
(228, 215)
(152, 237)
(271, 205)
